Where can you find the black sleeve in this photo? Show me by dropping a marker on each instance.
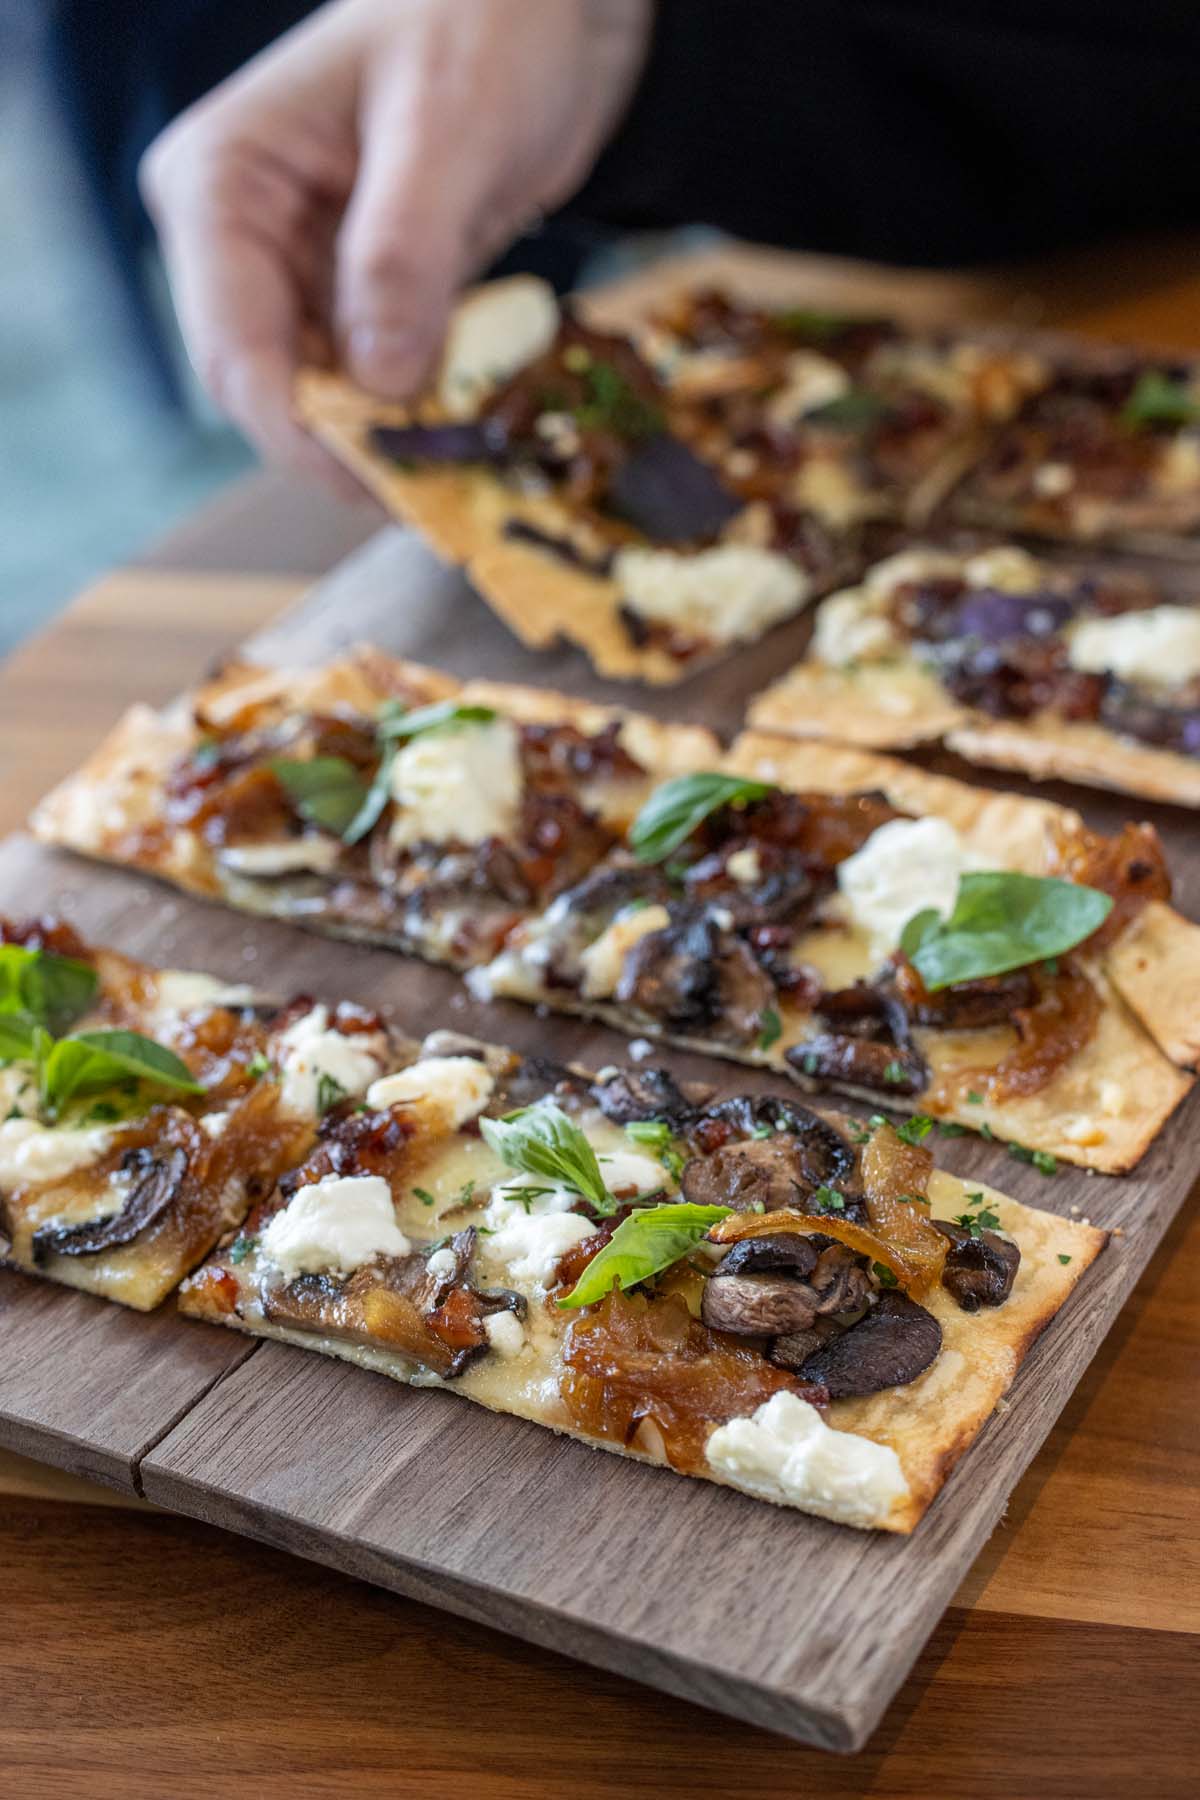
(919, 131)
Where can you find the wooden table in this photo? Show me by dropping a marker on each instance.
(146, 1655)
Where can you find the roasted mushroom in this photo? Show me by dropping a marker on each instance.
(155, 1178)
(757, 1305)
(695, 974)
(889, 1347)
(636, 1094)
(979, 1270)
(827, 1158)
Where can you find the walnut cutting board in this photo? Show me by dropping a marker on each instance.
(775, 1618)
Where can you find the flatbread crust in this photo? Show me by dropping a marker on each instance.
(929, 1424)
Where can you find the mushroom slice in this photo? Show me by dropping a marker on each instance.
(789, 1250)
(156, 1177)
(827, 1158)
(694, 974)
(768, 1174)
(861, 1063)
(978, 1271)
(757, 1305)
(636, 1094)
(889, 1347)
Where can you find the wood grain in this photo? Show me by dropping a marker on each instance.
(1012, 1695)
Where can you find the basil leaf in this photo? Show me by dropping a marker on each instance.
(96, 1060)
(650, 1239)
(612, 404)
(675, 809)
(811, 322)
(397, 721)
(53, 990)
(1157, 400)
(16, 1037)
(1001, 921)
(856, 407)
(541, 1140)
(327, 791)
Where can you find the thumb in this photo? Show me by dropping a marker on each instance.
(403, 250)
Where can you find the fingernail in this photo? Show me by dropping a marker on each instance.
(389, 362)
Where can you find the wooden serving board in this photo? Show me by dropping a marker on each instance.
(779, 1619)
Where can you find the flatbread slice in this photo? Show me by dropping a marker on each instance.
(409, 1244)
(1060, 672)
(552, 463)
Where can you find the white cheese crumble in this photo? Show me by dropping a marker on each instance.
(1005, 568)
(18, 1091)
(733, 591)
(904, 867)
(31, 1152)
(745, 865)
(442, 1262)
(627, 1172)
(529, 1235)
(334, 1226)
(785, 1452)
(182, 991)
(1161, 644)
(460, 786)
(505, 1333)
(853, 627)
(810, 382)
(493, 333)
(310, 854)
(309, 1049)
(459, 1087)
(603, 961)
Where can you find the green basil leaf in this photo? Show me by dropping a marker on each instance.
(650, 1239)
(1157, 400)
(53, 990)
(612, 404)
(327, 791)
(96, 1060)
(1001, 921)
(541, 1140)
(397, 721)
(16, 1037)
(810, 322)
(675, 809)
(374, 800)
(856, 408)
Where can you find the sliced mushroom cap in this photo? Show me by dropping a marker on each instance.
(979, 1271)
(790, 1250)
(694, 974)
(793, 1348)
(971, 1005)
(636, 1094)
(827, 1158)
(840, 1279)
(890, 1346)
(757, 1305)
(155, 1179)
(759, 1175)
(859, 1062)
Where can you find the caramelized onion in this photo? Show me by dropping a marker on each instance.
(913, 1268)
(633, 1357)
(1130, 867)
(1050, 1032)
(895, 1176)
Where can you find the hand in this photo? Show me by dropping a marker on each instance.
(333, 195)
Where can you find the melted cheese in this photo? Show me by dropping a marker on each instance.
(457, 1088)
(628, 1173)
(461, 786)
(310, 854)
(904, 867)
(603, 961)
(734, 591)
(785, 1452)
(31, 1152)
(852, 627)
(334, 1226)
(1161, 645)
(309, 1050)
(178, 992)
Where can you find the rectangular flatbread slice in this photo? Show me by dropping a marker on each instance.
(693, 1282)
(1059, 671)
(146, 1109)
(373, 799)
(770, 934)
(563, 473)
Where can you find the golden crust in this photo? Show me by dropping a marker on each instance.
(664, 748)
(1070, 750)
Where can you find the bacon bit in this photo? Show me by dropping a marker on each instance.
(913, 1268)
(1130, 867)
(634, 1357)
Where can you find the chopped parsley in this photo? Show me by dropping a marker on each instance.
(976, 1223)
(1064, 1259)
(884, 1275)
(895, 1074)
(330, 1093)
(772, 1028)
(948, 1128)
(973, 1098)
(828, 1199)
(656, 1135)
(259, 1064)
(241, 1248)
(424, 1196)
(916, 1129)
(1042, 1160)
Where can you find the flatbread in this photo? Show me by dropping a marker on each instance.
(928, 1424)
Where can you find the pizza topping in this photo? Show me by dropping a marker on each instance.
(1130, 868)
(148, 1179)
(785, 1452)
(665, 491)
(915, 1261)
(895, 1340)
(649, 1096)
(906, 867)
(457, 1087)
(1050, 1032)
(697, 974)
(1001, 920)
(456, 787)
(981, 1265)
(723, 595)
(1159, 646)
(493, 332)
(326, 1057)
(334, 1225)
(820, 1155)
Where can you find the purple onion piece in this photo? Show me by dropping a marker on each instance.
(669, 494)
(993, 616)
(478, 440)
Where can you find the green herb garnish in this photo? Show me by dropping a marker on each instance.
(948, 1128)
(39, 988)
(330, 1093)
(772, 1028)
(1064, 1259)
(541, 1140)
(811, 322)
(914, 1130)
(424, 1196)
(649, 1240)
(1042, 1160)
(396, 724)
(678, 807)
(1001, 921)
(327, 791)
(259, 1064)
(828, 1199)
(978, 1222)
(1157, 400)
(241, 1248)
(856, 408)
(895, 1074)
(93, 1061)
(884, 1276)
(656, 1135)
(974, 1099)
(613, 405)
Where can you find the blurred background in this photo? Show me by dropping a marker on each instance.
(101, 444)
